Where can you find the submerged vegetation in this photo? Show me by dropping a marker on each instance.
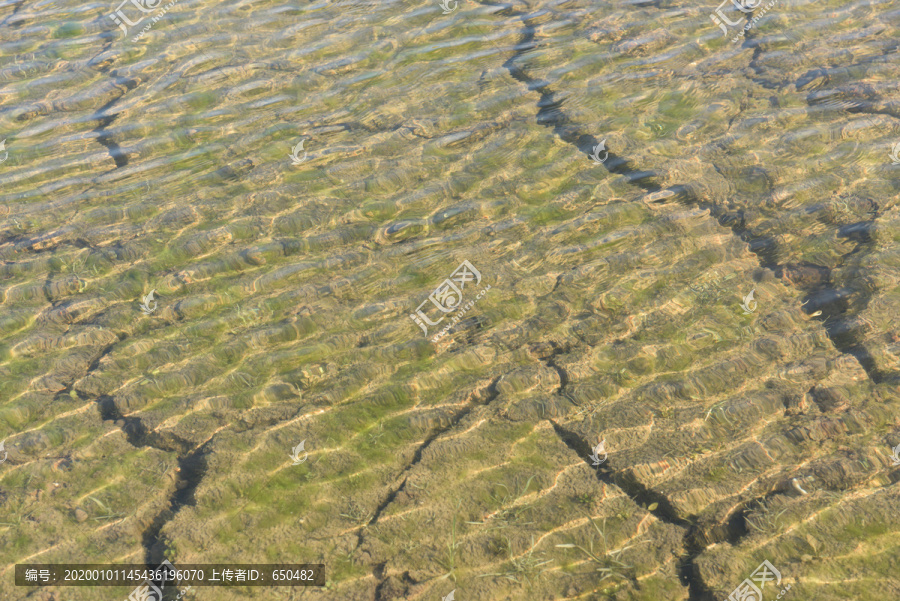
(211, 346)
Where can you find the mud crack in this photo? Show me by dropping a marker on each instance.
(103, 138)
(192, 466)
(479, 397)
(693, 543)
(548, 356)
(836, 310)
(190, 471)
(482, 397)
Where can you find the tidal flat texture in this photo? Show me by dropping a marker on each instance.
(691, 244)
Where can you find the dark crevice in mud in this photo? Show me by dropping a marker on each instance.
(15, 11)
(699, 536)
(687, 569)
(836, 309)
(378, 572)
(192, 467)
(549, 360)
(69, 385)
(839, 306)
(642, 495)
(696, 539)
(835, 304)
(814, 280)
(47, 288)
(735, 526)
(479, 397)
(550, 112)
(482, 397)
(732, 530)
(389, 499)
(103, 138)
(106, 351)
(750, 41)
(394, 587)
(115, 152)
(137, 433)
(191, 470)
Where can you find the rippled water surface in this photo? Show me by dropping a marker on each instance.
(672, 353)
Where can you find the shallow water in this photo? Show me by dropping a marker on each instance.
(690, 248)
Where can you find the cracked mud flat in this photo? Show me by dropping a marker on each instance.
(284, 292)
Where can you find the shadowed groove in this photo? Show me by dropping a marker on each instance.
(836, 312)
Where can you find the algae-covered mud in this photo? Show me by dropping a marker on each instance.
(465, 300)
